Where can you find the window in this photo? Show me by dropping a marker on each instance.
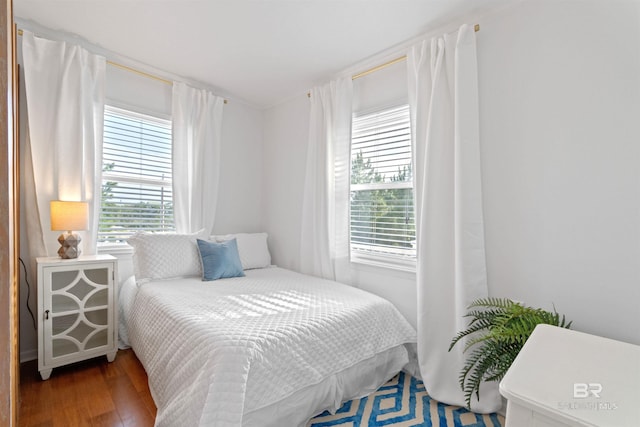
(382, 214)
(136, 175)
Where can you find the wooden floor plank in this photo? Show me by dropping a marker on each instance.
(92, 393)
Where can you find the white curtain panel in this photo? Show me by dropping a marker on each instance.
(324, 246)
(451, 267)
(65, 106)
(197, 140)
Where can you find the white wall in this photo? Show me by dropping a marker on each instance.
(240, 194)
(560, 125)
(286, 130)
(560, 132)
(134, 91)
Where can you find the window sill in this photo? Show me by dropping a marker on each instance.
(392, 263)
(115, 249)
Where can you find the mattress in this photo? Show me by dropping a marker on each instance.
(272, 348)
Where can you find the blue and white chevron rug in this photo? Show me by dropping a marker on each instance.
(403, 401)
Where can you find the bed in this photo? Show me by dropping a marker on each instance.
(271, 348)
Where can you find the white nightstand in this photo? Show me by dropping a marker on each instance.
(77, 316)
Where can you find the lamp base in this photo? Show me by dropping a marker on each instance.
(69, 245)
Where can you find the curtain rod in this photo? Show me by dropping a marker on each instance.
(476, 28)
(133, 70)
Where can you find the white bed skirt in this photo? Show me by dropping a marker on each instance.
(354, 382)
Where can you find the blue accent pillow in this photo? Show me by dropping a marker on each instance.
(220, 260)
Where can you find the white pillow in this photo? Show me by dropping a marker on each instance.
(252, 247)
(165, 256)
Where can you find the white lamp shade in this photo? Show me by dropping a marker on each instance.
(68, 216)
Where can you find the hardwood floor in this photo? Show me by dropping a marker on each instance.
(89, 393)
(98, 393)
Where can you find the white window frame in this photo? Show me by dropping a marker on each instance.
(382, 259)
(165, 183)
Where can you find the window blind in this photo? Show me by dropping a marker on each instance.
(136, 175)
(382, 214)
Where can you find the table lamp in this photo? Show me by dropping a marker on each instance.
(69, 216)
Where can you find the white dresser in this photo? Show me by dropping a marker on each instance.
(568, 378)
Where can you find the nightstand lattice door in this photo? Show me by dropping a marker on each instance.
(77, 313)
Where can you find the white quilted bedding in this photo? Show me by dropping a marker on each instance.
(217, 350)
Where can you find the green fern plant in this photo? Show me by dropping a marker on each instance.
(498, 329)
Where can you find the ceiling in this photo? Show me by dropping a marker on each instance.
(261, 51)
